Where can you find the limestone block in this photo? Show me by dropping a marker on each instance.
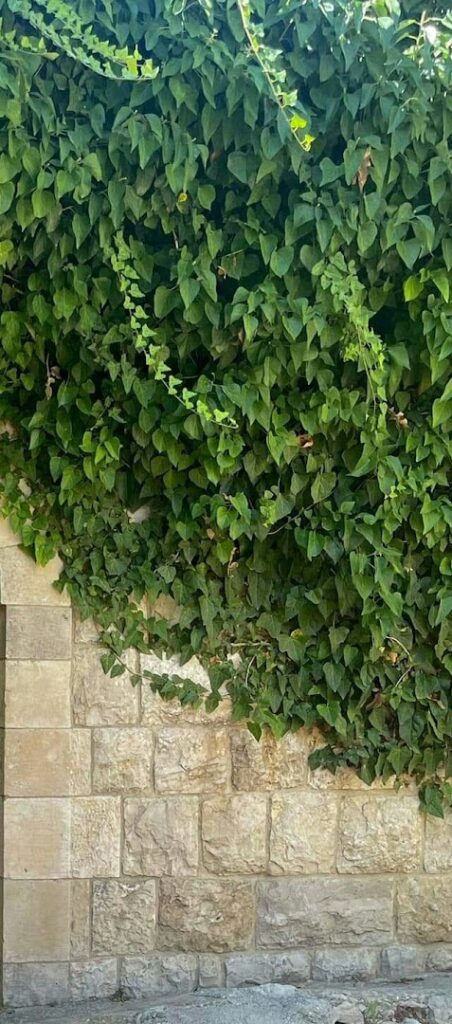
(80, 762)
(38, 694)
(268, 764)
(400, 962)
(345, 964)
(192, 760)
(303, 832)
(438, 843)
(234, 833)
(324, 911)
(7, 535)
(98, 699)
(80, 917)
(35, 984)
(267, 968)
(205, 915)
(425, 909)
(93, 979)
(38, 633)
(37, 762)
(37, 838)
(156, 711)
(124, 916)
(158, 975)
(161, 836)
(379, 833)
(36, 921)
(122, 760)
(96, 828)
(437, 958)
(210, 971)
(86, 631)
(25, 583)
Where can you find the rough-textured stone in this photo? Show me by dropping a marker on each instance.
(264, 968)
(268, 764)
(161, 836)
(345, 964)
(425, 909)
(96, 829)
(400, 962)
(124, 916)
(205, 915)
(36, 921)
(25, 583)
(438, 958)
(122, 760)
(37, 694)
(303, 832)
(157, 712)
(35, 984)
(379, 834)
(158, 975)
(37, 762)
(210, 973)
(438, 843)
(93, 979)
(37, 838)
(324, 911)
(192, 760)
(96, 698)
(37, 633)
(234, 833)
(86, 632)
(80, 917)
(80, 762)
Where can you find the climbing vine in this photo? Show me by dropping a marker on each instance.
(225, 267)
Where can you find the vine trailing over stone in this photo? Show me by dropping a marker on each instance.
(225, 258)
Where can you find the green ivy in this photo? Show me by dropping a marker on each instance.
(225, 269)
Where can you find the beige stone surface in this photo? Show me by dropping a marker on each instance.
(424, 909)
(98, 699)
(268, 764)
(205, 915)
(93, 979)
(122, 760)
(379, 833)
(37, 762)
(438, 843)
(124, 916)
(96, 831)
(161, 836)
(234, 837)
(324, 912)
(38, 694)
(35, 984)
(37, 838)
(38, 633)
(85, 632)
(267, 968)
(23, 582)
(80, 917)
(81, 762)
(303, 832)
(192, 760)
(158, 975)
(7, 535)
(36, 921)
(157, 712)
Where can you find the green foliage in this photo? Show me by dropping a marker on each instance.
(225, 353)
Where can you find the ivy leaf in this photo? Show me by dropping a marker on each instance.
(409, 252)
(323, 486)
(281, 260)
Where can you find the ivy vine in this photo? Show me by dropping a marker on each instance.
(225, 269)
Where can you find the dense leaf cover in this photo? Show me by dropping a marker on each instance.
(225, 351)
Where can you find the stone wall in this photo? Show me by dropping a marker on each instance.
(150, 849)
